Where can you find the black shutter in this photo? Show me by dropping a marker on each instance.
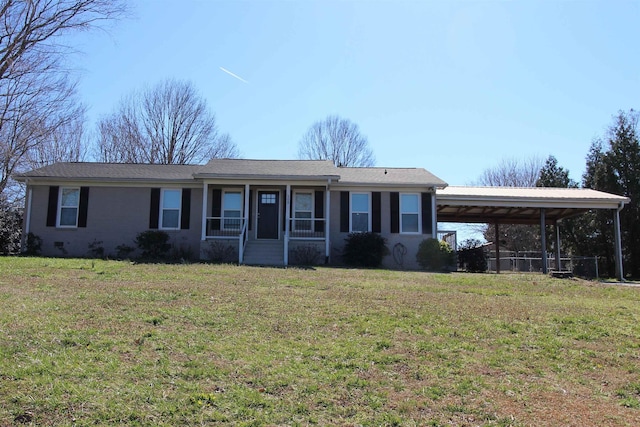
(250, 209)
(319, 210)
(83, 207)
(427, 223)
(154, 209)
(376, 206)
(395, 212)
(216, 208)
(186, 209)
(52, 208)
(344, 211)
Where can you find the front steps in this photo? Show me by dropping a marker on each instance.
(264, 252)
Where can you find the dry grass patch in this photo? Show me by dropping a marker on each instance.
(102, 342)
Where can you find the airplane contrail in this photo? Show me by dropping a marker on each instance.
(234, 75)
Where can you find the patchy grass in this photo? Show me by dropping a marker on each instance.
(87, 342)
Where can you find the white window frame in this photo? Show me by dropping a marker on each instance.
(222, 208)
(418, 213)
(312, 211)
(60, 207)
(162, 209)
(351, 211)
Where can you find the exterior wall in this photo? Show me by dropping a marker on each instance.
(403, 259)
(115, 216)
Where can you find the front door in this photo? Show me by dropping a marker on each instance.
(268, 208)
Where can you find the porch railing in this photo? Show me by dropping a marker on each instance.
(221, 226)
(307, 228)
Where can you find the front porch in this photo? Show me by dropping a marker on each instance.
(267, 223)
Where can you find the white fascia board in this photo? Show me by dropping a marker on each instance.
(111, 182)
(574, 203)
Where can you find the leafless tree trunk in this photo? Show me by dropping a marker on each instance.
(167, 124)
(338, 140)
(37, 96)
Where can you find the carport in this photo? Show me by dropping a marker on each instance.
(539, 205)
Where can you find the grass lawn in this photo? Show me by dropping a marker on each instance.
(87, 342)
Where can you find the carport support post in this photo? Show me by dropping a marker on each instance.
(558, 267)
(618, 243)
(543, 241)
(497, 239)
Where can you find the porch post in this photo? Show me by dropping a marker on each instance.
(205, 200)
(497, 239)
(558, 260)
(434, 215)
(618, 243)
(543, 240)
(287, 217)
(246, 205)
(327, 216)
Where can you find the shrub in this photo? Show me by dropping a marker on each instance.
(33, 245)
(123, 251)
(10, 229)
(306, 255)
(435, 255)
(153, 244)
(96, 250)
(471, 256)
(218, 252)
(364, 249)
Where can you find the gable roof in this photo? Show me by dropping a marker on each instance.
(389, 177)
(268, 169)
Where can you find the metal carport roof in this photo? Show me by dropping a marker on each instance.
(513, 205)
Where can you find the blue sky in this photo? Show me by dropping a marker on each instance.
(451, 86)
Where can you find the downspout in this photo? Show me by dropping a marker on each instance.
(618, 243)
(327, 217)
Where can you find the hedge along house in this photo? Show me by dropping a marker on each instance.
(274, 212)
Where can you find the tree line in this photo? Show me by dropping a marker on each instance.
(612, 166)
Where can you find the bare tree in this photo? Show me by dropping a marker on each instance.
(514, 173)
(338, 140)
(37, 95)
(167, 124)
(67, 142)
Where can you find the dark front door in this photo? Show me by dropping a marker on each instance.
(268, 208)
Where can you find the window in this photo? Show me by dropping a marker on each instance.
(268, 199)
(232, 210)
(360, 212)
(69, 203)
(409, 213)
(170, 209)
(302, 208)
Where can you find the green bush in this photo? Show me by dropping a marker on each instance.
(434, 255)
(153, 244)
(471, 256)
(364, 249)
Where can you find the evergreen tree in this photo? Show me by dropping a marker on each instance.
(613, 165)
